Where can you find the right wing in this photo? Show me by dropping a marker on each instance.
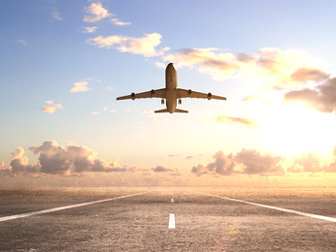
(158, 93)
(183, 93)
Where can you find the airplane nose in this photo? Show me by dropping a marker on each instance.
(171, 65)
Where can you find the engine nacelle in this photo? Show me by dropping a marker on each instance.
(189, 91)
(133, 96)
(209, 96)
(162, 101)
(152, 91)
(179, 101)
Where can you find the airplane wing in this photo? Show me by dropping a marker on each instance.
(183, 93)
(158, 93)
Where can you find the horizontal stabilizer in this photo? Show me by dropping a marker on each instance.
(180, 111)
(161, 111)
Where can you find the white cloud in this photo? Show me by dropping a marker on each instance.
(51, 109)
(145, 46)
(321, 97)
(117, 22)
(50, 102)
(80, 87)
(160, 65)
(55, 15)
(248, 162)
(240, 120)
(22, 42)
(96, 13)
(55, 159)
(90, 29)
(271, 64)
(58, 106)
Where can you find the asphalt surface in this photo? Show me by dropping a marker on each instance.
(140, 221)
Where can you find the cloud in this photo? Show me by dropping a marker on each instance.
(20, 164)
(89, 29)
(160, 65)
(22, 42)
(252, 162)
(55, 15)
(55, 159)
(321, 98)
(73, 160)
(145, 46)
(96, 12)
(248, 162)
(106, 110)
(117, 22)
(331, 167)
(308, 74)
(80, 87)
(278, 66)
(306, 162)
(256, 163)
(240, 120)
(161, 168)
(310, 162)
(49, 110)
(52, 108)
(223, 165)
(299, 77)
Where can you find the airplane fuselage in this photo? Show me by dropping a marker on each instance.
(171, 88)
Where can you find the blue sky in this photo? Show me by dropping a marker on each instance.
(63, 63)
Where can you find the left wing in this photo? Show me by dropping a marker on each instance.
(183, 93)
(158, 93)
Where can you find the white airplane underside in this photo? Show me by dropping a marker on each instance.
(171, 93)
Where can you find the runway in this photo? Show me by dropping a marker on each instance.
(167, 219)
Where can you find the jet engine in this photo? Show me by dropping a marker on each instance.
(133, 96)
(209, 96)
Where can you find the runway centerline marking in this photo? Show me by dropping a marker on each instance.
(316, 216)
(171, 221)
(23, 215)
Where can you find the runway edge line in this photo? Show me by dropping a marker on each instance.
(23, 215)
(316, 216)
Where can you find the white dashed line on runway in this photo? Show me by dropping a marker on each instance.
(171, 221)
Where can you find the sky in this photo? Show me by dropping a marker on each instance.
(63, 63)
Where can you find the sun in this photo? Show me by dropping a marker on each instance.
(292, 129)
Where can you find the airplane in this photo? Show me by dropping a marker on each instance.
(171, 93)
